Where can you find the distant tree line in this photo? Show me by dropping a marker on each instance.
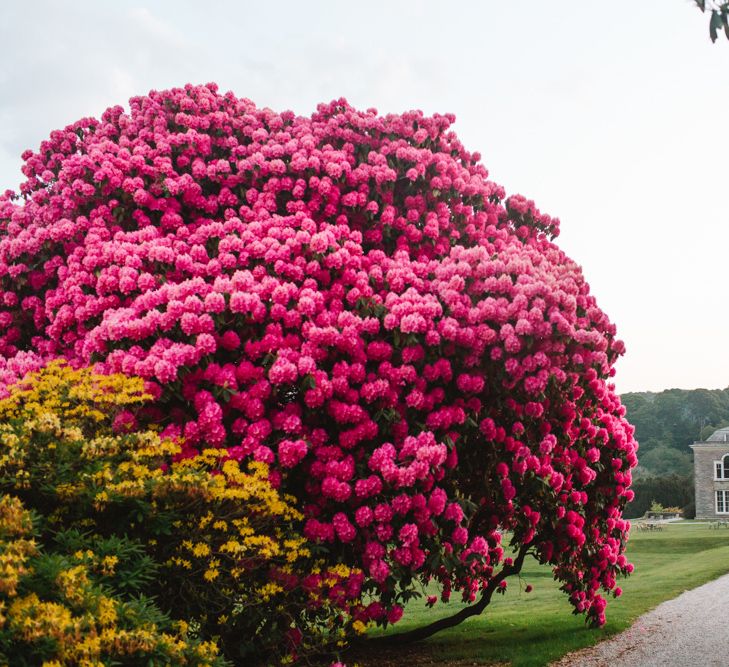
(666, 423)
(669, 491)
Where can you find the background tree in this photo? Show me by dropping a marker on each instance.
(668, 490)
(666, 423)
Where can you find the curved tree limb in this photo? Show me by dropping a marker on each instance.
(475, 609)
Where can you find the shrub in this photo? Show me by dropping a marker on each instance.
(62, 608)
(214, 544)
(348, 299)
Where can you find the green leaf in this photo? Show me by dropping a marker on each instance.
(701, 4)
(715, 25)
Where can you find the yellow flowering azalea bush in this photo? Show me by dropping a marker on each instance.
(113, 547)
(55, 611)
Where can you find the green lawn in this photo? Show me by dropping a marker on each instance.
(528, 630)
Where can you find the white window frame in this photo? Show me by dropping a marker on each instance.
(720, 468)
(724, 495)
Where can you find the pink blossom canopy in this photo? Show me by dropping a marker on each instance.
(350, 299)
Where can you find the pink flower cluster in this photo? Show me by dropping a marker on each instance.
(349, 298)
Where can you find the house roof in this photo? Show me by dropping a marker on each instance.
(720, 435)
(719, 439)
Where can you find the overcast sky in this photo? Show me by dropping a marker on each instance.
(610, 115)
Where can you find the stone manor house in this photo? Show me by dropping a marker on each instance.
(711, 476)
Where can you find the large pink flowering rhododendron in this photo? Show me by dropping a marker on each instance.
(351, 300)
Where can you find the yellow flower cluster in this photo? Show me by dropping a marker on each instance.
(59, 393)
(15, 529)
(240, 530)
(64, 413)
(90, 638)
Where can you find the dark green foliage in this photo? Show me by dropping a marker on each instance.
(663, 460)
(666, 423)
(669, 491)
(135, 571)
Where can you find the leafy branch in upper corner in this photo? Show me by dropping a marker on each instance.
(719, 16)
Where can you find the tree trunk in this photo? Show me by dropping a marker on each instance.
(425, 631)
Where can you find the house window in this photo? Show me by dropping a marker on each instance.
(722, 502)
(721, 468)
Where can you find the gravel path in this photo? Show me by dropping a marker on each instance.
(691, 630)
